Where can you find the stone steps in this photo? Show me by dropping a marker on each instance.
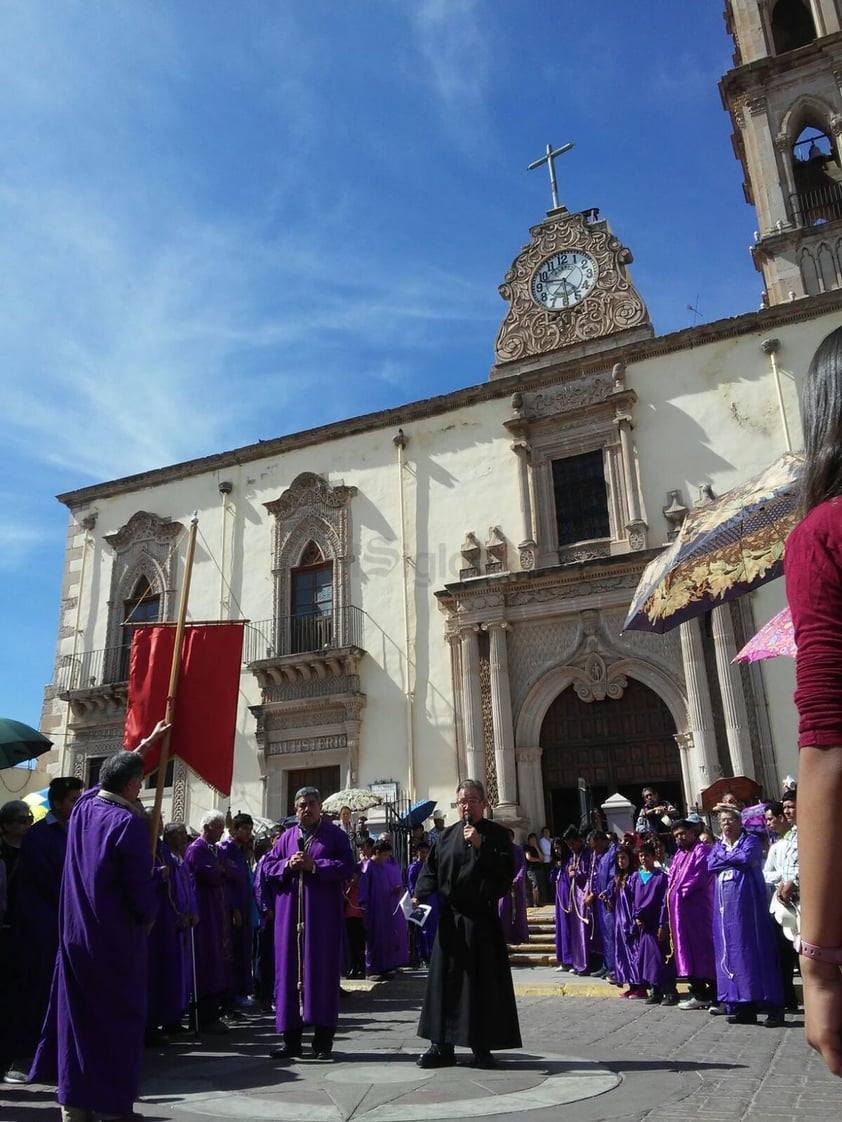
(540, 950)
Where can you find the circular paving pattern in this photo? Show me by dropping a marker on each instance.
(392, 1088)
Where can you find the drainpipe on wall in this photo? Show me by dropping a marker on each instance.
(400, 442)
(225, 489)
(771, 347)
(87, 523)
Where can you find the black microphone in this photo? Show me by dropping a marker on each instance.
(466, 818)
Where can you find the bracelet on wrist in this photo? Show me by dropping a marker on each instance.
(820, 954)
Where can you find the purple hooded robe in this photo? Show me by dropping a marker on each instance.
(648, 904)
(690, 912)
(168, 964)
(626, 969)
(214, 953)
(238, 884)
(315, 955)
(93, 1032)
(386, 943)
(39, 874)
(425, 937)
(512, 906)
(560, 884)
(581, 921)
(747, 968)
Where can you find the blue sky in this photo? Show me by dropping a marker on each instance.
(227, 221)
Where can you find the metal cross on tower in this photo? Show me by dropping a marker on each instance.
(548, 160)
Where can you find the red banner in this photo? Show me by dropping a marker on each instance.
(205, 718)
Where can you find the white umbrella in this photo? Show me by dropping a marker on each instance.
(355, 798)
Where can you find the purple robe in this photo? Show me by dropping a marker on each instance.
(314, 955)
(747, 968)
(579, 919)
(425, 937)
(93, 1033)
(512, 906)
(626, 969)
(561, 894)
(648, 904)
(385, 942)
(168, 968)
(241, 900)
(690, 911)
(603, 881)
(214, 952)
(39, 873)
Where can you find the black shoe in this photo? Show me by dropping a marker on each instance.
(436, 1056)
(655, 999)
(286, 1052)
(323, 1054)
(742, 1019)
(775, 1020)
(670, 999)
(214, 1028)
(601, 973)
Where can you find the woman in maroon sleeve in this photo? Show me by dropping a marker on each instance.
(814, 590)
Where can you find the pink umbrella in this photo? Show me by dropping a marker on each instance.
(774, 639)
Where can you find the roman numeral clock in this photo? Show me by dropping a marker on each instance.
(568, 288)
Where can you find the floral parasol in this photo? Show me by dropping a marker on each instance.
(772, 640)
(724, 549)
(355, 798)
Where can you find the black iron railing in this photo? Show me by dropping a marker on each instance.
(90, 669)
(303, 634)
(822, 204)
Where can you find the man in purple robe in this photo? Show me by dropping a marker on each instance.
(214, 952)
(690, 915)
(93, 1041)
(39, 880)
(379, 896)
(168, 961)
(747, 970)
(233, 852)
(308, 868)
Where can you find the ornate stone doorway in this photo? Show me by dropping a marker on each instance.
(614, 745)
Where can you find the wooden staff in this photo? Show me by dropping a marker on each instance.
(164, 759)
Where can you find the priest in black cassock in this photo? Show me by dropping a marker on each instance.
(470, 1000)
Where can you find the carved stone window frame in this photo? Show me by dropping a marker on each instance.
(312, 509)
(143, 547)
(588, 415)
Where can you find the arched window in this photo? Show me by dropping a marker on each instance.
(792, 25)
(143, 606)
(817, 177)
(311, 609)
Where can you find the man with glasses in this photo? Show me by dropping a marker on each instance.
(470, 999)
(307, 869)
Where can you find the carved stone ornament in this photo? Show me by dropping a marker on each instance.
(527, 551)
(614, 304)
(495, 549)
(596, 680)
(836, 124)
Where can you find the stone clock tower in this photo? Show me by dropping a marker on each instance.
(784, 98)
(568, 289)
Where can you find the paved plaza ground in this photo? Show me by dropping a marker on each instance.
(587, 1056)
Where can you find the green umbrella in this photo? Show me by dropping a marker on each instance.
(19, 742)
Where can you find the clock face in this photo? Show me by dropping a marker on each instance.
(564, 279)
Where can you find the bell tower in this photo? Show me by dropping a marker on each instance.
(783, 95)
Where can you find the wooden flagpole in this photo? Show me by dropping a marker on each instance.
(164, 759)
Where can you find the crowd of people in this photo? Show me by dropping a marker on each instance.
(109, 946)
(668, 901)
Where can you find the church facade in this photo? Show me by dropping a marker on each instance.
(438, 590)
